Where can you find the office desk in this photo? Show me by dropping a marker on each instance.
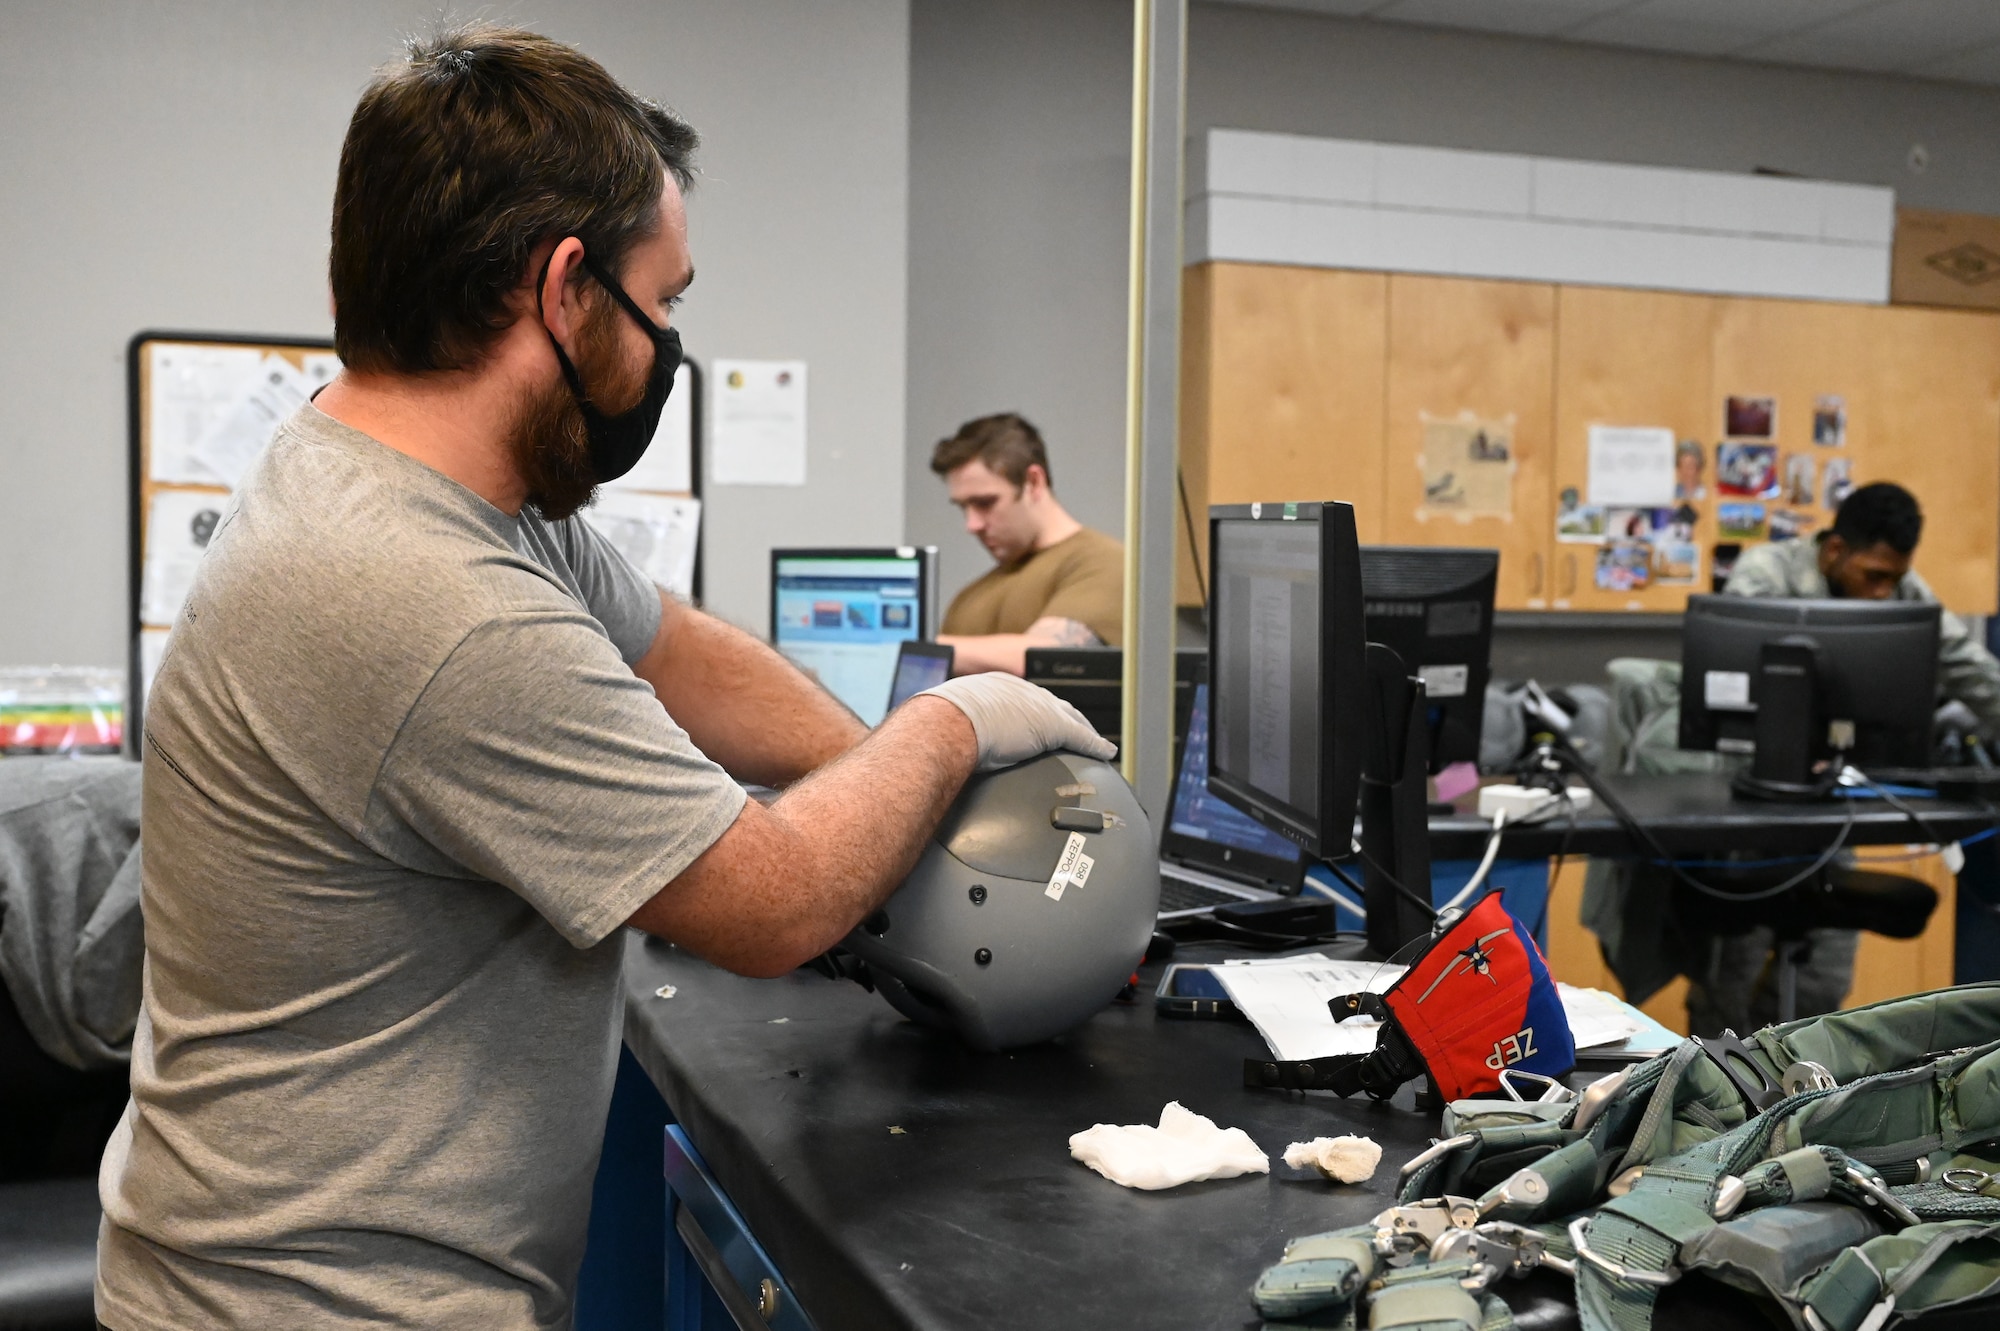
(1695, 815)
(899, 1181)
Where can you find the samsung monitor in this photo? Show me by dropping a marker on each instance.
(1866, 671)
(1433, 606)
(844, 613)
(919, 666)
(1287, 668)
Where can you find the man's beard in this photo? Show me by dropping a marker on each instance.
(550, 444)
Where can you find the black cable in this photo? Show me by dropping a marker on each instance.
(1896, 802)
(1640, 833)
(1194, 546)
(1409, 894)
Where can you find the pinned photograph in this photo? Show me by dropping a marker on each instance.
(1839, 481)
(1740, 522)
(1468, 468)
(1800, 471)
(1624, 566)
(1722, 563)
(1749, 471)
(1750, 417)
(1790, 525)
(1676, 563)
(1634, 524)
(1689, 460)
(1830, 421)
(1578, 521)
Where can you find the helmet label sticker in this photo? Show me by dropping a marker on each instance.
(1072, 866)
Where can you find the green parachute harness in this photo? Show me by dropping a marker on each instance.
(1845, 1167)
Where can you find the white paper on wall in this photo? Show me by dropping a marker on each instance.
(318, 369)
(272, 394)
(152, 649)
(189, 390)
(1631, 465)
(668, 463)
(658, 533)
(760, 422)
(178, 528)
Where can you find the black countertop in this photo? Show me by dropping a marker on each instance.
(1695, 815)
(899, 1180)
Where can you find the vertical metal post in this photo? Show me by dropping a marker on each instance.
(1159, 113)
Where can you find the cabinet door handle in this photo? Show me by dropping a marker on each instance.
(1535, 578)
(1569, 568)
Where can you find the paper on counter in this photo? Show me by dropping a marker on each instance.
(264, 402)
(178, 528)
(190, 389)
(1285, 998)
(760, 422)
(668, 462)
(658, 533)
(1631, 466)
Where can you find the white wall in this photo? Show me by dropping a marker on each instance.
(172, 167)
(1019, 130)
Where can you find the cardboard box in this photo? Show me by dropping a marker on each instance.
(1946, 259)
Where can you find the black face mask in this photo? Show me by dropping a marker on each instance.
(616, 443)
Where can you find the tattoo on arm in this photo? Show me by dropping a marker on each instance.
(1056, 631)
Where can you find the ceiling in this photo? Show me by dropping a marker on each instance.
(1957, 40)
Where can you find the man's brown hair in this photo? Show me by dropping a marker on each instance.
(462, 158)
(1006, 443)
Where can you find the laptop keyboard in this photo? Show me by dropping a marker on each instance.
(1177, 894)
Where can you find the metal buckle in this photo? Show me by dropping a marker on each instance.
(1401, 1232)
(1498, 1248)
(1433, 1151)
(1613, 1269)
(1553, 1091)
(1876, 1193)
(1966, 1180)
(1596, 1098)
(1806, 1075)
(1730, 1054)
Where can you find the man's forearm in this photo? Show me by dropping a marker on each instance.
(743, 704)
(787, 882)
(974, 654)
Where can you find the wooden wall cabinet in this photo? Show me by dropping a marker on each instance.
(1304, 383)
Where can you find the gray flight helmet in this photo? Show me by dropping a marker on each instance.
(982, 941)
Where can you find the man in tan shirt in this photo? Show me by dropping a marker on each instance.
(1057, 584)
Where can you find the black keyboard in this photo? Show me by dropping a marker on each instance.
(1179, 894)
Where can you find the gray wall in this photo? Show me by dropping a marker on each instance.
(172, 166)
(1018, 141)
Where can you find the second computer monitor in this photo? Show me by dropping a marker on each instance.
(1287, 668)
(1876, 669)
(843, 613)
(1433, 605)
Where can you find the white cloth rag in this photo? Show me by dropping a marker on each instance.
(1185, 1148)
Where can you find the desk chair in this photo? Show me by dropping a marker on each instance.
(1652, 925)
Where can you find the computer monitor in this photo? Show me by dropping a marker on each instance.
(1287, 668)
(1206, 832)
(1784, 679)
(919, 666)
(842, 613)
(1433, 606)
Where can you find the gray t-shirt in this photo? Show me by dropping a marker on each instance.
(402, 788)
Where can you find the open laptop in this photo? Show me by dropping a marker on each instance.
(1211, 854)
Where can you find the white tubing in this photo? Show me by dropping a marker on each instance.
(1478, 878)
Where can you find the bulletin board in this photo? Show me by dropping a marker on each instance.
(201, 406)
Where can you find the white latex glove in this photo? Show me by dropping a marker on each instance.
(1014, 720)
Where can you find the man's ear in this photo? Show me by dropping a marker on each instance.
(1035, 479)
(1831, 551)
(554, 286)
